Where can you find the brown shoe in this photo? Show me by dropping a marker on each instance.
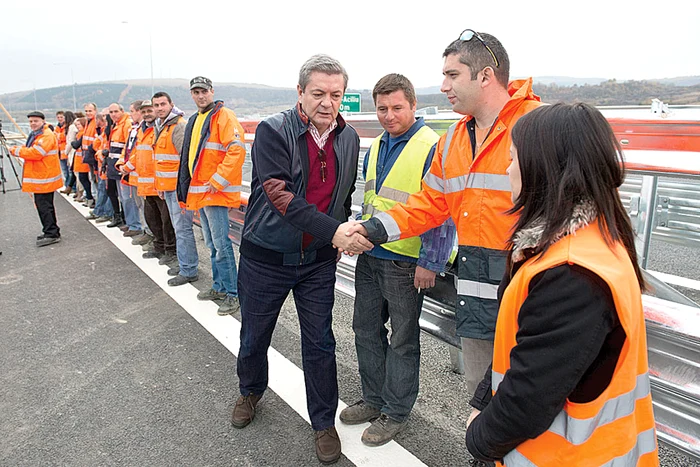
(244, 410)
(328, 446)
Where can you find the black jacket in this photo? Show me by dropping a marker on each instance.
(569, 341)
(278, 213)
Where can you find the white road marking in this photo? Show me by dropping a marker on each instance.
(676, 280)
(285, 378)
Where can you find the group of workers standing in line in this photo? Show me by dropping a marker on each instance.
(549, 290)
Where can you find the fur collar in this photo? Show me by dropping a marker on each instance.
(529, 237)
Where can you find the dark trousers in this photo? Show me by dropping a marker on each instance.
(47, 214)
(389, 371)
(262, 289)
(114, 196)
(84, 178)
(155, 211)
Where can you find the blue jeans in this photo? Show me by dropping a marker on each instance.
(263, 289)
(184, 235)
(67, 179)
(128, 196)
(223, 262)
(103, 207)
(389, 371)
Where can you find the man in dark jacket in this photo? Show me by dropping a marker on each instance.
(304, 172)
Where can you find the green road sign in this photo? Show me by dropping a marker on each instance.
(351, 102)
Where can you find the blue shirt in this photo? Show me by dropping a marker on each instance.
(436, 244)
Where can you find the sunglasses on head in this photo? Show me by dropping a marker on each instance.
(469, 34)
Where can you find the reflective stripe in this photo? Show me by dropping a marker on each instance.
(577, 431)
(117, 144)
(204, 189)
(144, 147)
(220, 180)
(477, 289)
(42, 181)
(89, 138)
(167, 157)
(496, 379)
(369, 185)
(390, 225)
(53, 152)
(515, 459)
(115, 155)
(214, 146)
(369, 209)
(646, 442)
(434, 182)
(456, 184)
(166, 174)
(146, 180)
(40, 149)
(236, 143)
(130, 166)
(488, 181)
(394, 194)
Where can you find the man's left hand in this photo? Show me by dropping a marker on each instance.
(210, 187)
(424, 279)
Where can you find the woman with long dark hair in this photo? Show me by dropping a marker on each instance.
(68, 130)
(569, 383)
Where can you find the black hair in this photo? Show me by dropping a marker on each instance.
(476, 56)
(70, 117)
(568, 154)
(162, 94)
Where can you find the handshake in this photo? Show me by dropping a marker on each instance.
(351, 238)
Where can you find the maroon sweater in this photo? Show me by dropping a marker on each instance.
(318, 191)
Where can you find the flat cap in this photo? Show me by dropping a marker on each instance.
(36, 113)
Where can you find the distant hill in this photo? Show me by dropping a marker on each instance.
(255, 100)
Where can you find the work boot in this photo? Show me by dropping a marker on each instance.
(141, 239)
(153, 254)
(211, 294)
(359, 412)
(133, 233)
(381, 431)
(328, 446)
(181, 280)
(47, 241)
(229, 306)
(102, 219)
(39, 237)
(148, 246)
(118, 221)
(167, 258)
(244, 410)
(174, 271)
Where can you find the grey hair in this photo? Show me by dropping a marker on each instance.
(324, 64)
(119, 106)
(94, 106)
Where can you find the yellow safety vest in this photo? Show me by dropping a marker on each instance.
(403, 180)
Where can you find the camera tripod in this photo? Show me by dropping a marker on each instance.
(5, 154)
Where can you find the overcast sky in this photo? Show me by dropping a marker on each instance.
(42, 43)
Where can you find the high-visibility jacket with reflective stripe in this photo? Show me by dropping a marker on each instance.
(60, 132)
(475, 191)
(78, 165)
(403, 180)
(133, 179)
(219, 161)
(142, 161)
(617, 428)
(117, 144)
(89, 134)
(42, 169)
(167, 158)
(98, 144)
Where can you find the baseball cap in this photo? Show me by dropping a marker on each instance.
(146, 103)
(200, 82)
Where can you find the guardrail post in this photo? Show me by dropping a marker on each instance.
(456, 360)
(645, 217)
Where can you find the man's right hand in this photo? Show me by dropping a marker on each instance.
(351, 243)
(355, 227)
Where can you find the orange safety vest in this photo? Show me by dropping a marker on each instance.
(219, 161)
(42, 169)
(619, 424)
(475, 191)
(78, 165)
(142, 162)
(98, 144)
(167, 157)
(60, 132)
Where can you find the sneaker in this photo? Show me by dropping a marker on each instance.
(244, 410)
(174, 271)
(124, 228)
(102, 219)
(153, 254)
(327, 445)
(133, 233)
(148, 247)
(359, 412)
(47, 241)
(229, 306)
(211, 294)
(381, 431)
(167, 258)
(91, 217)
(91, 203)
(181, 280)
(39, 237)
(141, 239)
